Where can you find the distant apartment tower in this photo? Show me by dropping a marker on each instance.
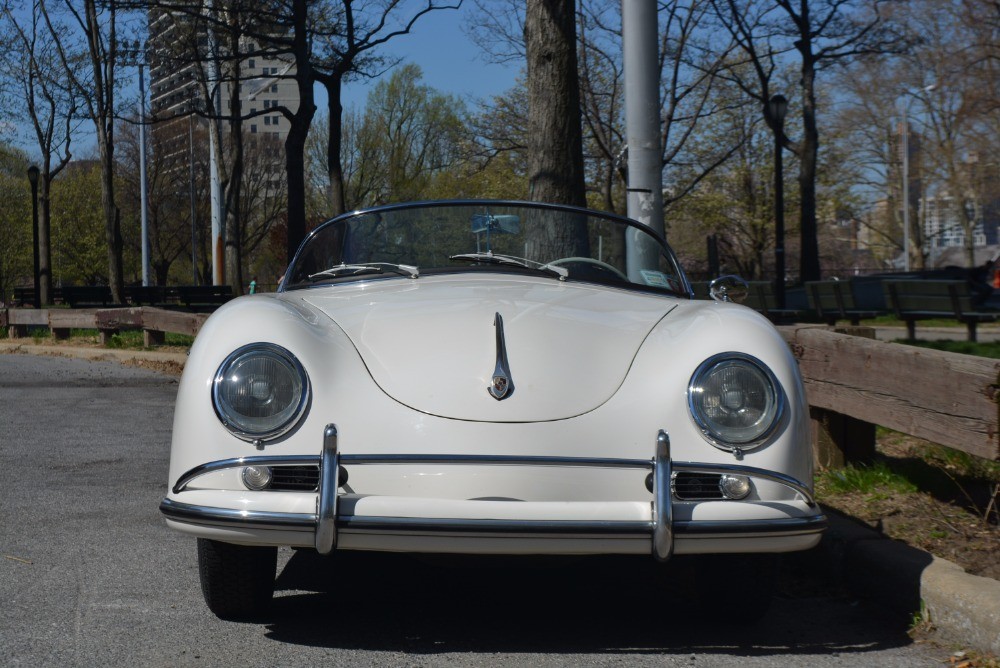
(263, 83)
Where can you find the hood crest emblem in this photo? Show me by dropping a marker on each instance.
(502, 385)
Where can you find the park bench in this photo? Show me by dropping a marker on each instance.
(760, 297)
(82, 296)
(834, 300)
(913, 300)
(204, 297)
(25, 297)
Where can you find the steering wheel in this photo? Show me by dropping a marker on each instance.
(589, 268)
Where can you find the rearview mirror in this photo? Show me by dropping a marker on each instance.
(729, 289)
(503, 224)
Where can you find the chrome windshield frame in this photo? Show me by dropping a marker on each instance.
(390, 208)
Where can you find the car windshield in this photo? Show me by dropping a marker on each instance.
(412, 241)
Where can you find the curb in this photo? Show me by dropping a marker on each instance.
(962, 607)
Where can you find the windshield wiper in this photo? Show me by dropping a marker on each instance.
(491, 258)
(366, 268)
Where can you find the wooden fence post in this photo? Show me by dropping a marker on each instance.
(838, 439)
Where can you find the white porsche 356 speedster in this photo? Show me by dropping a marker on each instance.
(485, 377)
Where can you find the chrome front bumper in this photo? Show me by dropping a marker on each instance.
(328, 521)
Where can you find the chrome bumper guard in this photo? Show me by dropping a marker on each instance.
(326, 521)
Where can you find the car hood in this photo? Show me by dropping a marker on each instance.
(431, 343)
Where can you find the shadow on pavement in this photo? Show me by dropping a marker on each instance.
(398, 603)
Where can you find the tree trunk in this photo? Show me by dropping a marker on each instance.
(338, 189)
(809, 267)
(295, 142)
(234, 222)
(44, 236)
(555, 136)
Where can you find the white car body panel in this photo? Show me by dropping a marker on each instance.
(569, 345)
(401, 366)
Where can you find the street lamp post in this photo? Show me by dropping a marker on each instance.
(33, 180)
(777, 108)
(135, 55)
(143, 186)
(906, 189)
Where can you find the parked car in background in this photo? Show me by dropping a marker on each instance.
(487, 377)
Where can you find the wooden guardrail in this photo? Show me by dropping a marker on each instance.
(945, 398)
(852, 383)
(154, 322)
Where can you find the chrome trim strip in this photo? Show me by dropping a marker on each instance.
(498, 460)
(786, 526)
(461, 525)
(663, 536)
(501, 460)
(211, 467)
(256, 519)
(750, 471)
(326, 499)
(229, 517)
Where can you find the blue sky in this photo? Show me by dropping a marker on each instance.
(451, 63)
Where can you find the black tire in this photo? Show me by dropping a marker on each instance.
(237, 581)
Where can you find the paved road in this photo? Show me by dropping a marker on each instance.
(89, 575)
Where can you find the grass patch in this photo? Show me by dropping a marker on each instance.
(39, 334)
(875, 478)
(890, 320)
(131, 339)
(980, 349)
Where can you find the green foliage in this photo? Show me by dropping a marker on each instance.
(79, 252)
(15, 232)
(407, 138)
(989, 349)
(876, 478)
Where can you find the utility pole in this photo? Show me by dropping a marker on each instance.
(640, 41)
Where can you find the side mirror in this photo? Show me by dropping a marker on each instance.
(729, 289)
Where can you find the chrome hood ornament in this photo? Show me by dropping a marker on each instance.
(502, 385)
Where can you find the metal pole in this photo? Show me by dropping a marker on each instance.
(779, 205)
(33, 180)
(906, 189)
(143, 187)
(640, 50)
(214, 137)
(194, 217)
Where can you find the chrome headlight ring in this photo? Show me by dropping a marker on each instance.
(260, 392)
(736, 401)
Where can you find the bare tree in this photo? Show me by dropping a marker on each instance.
(96, 24)
(50, 100)
(818, 33)
(348, 47)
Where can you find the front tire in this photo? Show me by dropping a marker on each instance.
(237, 581)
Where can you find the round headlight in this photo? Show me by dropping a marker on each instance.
(260, 391)
(735, 400)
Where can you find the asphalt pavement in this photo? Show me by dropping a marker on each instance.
(90, 575)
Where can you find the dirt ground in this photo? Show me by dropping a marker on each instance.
(952, 514)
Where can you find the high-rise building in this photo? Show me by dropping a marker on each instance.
(180, 73)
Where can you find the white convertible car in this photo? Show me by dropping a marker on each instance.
(486, 377)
